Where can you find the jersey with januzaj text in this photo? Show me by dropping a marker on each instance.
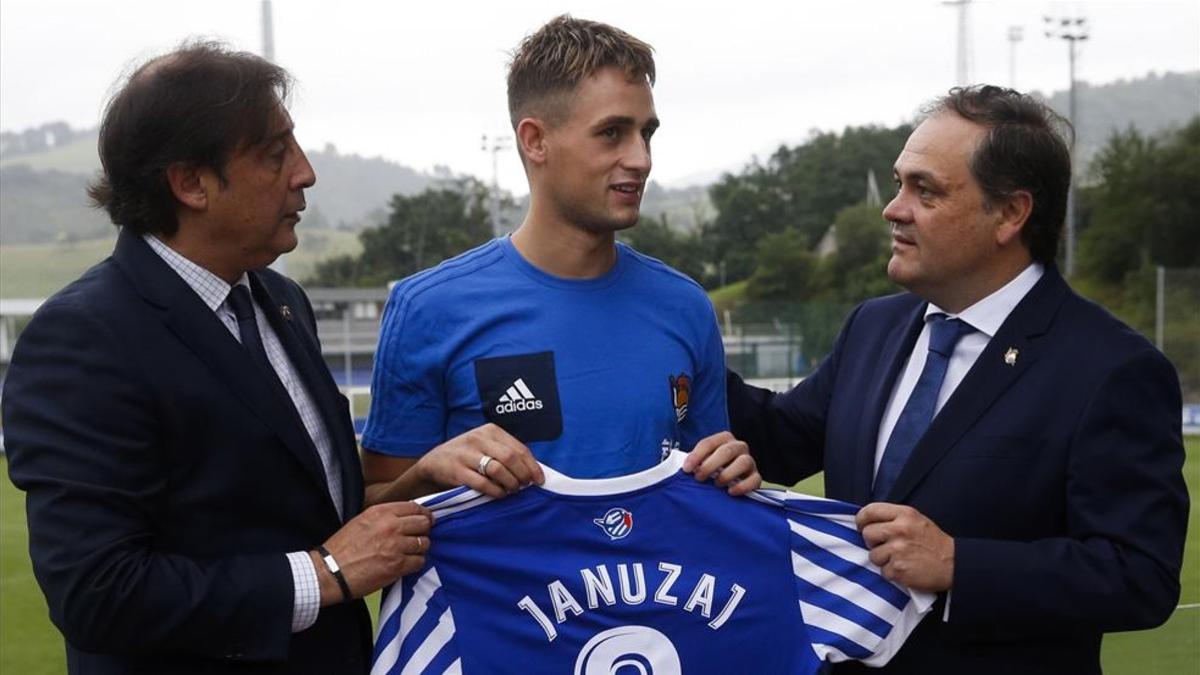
(598, 377)
(653, 571)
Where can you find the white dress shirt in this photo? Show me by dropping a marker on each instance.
(986, 317)
(214, 291)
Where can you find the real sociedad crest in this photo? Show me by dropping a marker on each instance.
(616, 523)
(681, 391)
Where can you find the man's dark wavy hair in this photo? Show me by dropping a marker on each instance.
(197, 105)
(1024, 149)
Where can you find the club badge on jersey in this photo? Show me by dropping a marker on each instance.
(681, 389)
(616, 523)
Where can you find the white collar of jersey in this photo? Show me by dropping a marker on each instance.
(565, 485)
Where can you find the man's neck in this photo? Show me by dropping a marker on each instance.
(962, 295)
(563, 249)
(202, 255)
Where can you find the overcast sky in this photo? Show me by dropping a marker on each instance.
(421, 82)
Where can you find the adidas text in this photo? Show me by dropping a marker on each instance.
(518, 406)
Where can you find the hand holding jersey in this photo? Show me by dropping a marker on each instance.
(908, 547)
(726, 461)
(491, 461)
(382, 544)
(487, 459)
(502, 464)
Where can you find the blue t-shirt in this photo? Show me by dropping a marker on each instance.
(655, 571)
(599, 377)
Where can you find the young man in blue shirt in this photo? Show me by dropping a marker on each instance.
(558, 342)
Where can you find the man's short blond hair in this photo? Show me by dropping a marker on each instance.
(548, 64)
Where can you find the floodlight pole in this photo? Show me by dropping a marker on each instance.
(494, 144)
(1073, 30)
(1015, 35)
(268, 32)
(963, 74)
(268, 53)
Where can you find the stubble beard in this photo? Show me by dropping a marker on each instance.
(598, 221)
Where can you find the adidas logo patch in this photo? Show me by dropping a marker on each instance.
(518, 398)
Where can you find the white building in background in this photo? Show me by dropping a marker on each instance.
(13, 312)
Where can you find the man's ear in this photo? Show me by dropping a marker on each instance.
(1014, 214)
(531, 137)
(187, 185)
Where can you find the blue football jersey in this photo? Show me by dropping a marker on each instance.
(653, 572)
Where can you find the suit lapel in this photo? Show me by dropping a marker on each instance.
(313, 372)
(990, 377)
(896, 348)
(201, 331)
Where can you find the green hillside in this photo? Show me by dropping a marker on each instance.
(78, 156)
(38, 270)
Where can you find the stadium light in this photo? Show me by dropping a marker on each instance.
(494, 144)
(1015, 35)
(1073, 30)
(963, 61)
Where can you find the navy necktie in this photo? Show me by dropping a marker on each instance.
(243, 308)
(918, 411)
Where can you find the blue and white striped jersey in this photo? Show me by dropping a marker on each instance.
(653, 571)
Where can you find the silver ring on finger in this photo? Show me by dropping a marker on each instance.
(482, 466)
(420, 543)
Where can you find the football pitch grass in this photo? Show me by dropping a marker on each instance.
(30, 645)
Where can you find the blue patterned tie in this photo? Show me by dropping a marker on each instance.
(918, 412)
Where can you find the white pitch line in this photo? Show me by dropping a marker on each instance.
(1193, 605)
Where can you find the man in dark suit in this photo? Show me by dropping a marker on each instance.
(1018, 448)
(193, 483)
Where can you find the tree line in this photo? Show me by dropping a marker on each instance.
(796, 240)
(766, 216)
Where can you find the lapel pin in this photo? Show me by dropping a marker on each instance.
(286, 312)
(1010, 356)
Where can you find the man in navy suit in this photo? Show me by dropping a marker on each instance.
(1018, 448)
(193, 483)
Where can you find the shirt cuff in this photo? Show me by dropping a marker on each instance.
(307, 599)
(946, 611)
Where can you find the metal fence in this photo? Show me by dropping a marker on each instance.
(780, 341)
(1177, 325)
(774, 343)
(784, 342)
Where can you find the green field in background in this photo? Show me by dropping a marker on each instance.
(38, 270)
(77, 156)
(29, 644)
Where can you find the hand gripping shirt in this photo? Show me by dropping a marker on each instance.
(655, 571)
(599, 377)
